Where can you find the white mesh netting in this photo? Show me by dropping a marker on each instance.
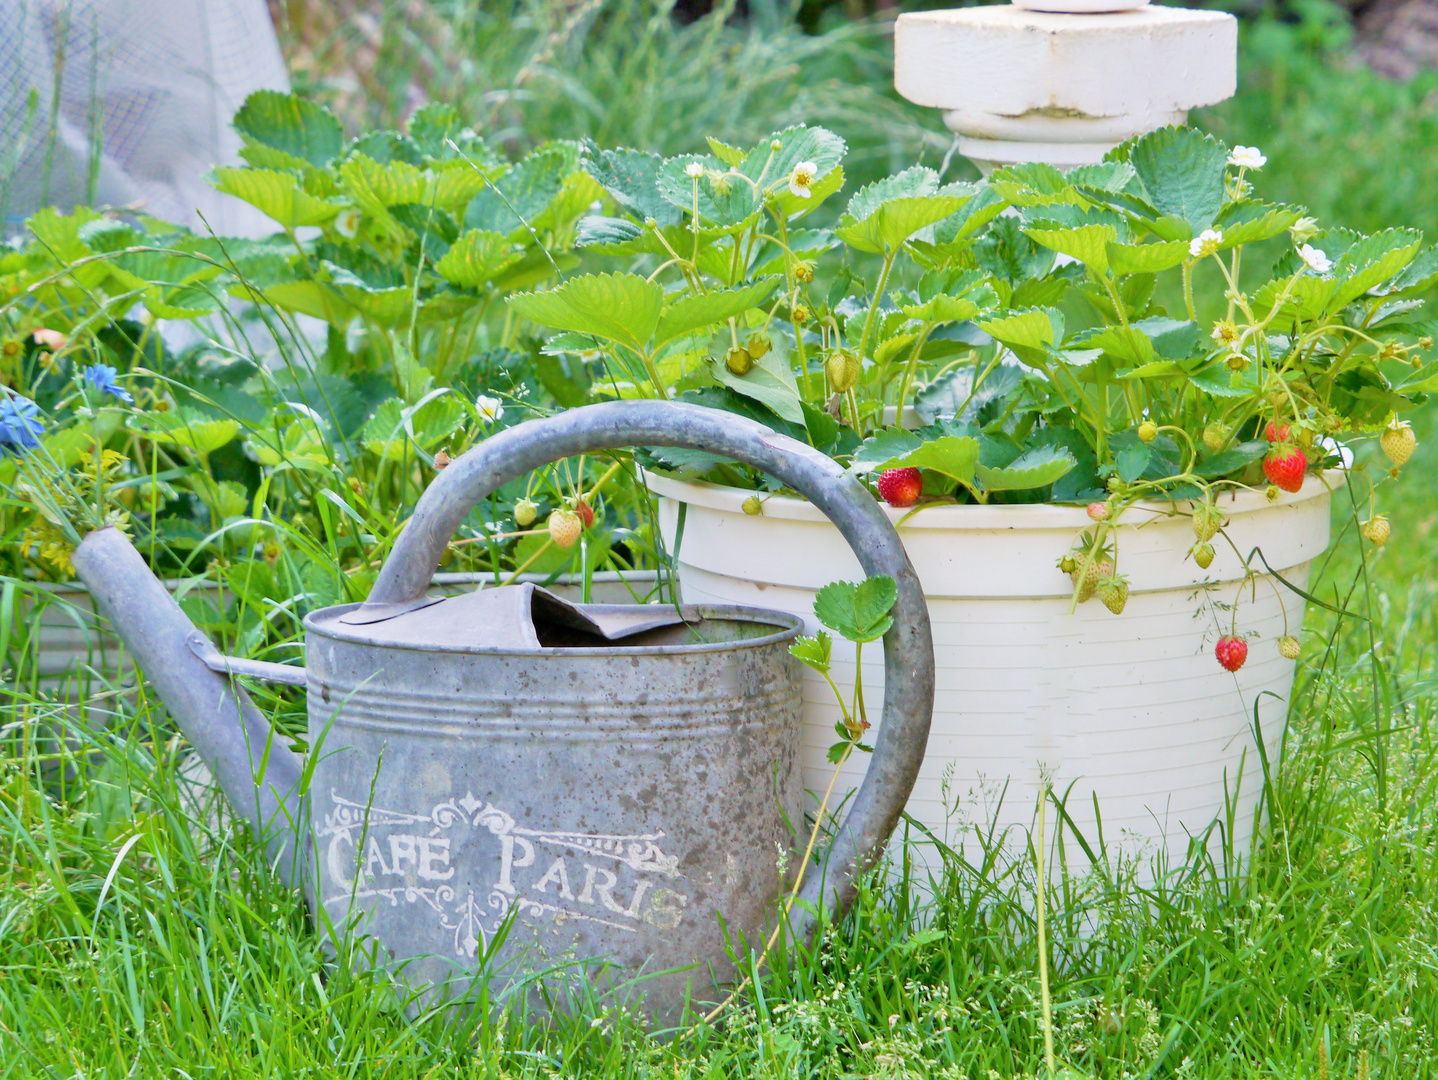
(151, 84)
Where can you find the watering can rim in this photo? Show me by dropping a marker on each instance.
(786, 628)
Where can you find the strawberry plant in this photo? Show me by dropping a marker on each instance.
(1143, 329)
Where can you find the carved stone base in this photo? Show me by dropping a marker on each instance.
(1019, 85)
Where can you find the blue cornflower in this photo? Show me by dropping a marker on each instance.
(20, 424)
(102, 378)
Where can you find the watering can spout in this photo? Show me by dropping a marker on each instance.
(259, 775)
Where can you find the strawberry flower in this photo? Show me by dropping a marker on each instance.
(694, 170)
(1315, 260)
(1247, 157)
(489, 408)
(1205, 243)
(802, 178)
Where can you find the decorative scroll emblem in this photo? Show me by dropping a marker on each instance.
(371, 853)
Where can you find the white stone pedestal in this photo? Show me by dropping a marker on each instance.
(1020, 85)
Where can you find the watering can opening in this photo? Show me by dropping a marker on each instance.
(527, 618)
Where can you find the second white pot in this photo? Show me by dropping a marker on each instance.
(1149, 741)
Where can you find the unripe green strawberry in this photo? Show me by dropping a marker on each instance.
(525, 511)
(1147, 431)
(1271, 493)
(1376, 530)
(1203, 555)
(843, 369)
(1087, 578)
(1068, 564)
(1215, 435)
(1398, 442)
(758, 345)
(739, 361)
(1289, 647)
(564, 528)
(753, 505)
(1207, 520)
(1113, 591)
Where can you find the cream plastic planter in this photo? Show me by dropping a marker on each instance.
(1132, 709)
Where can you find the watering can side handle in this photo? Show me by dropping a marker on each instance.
(217, 661)
(908, 646)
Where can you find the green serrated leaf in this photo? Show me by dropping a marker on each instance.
(277, 195)
(1232, 459)
(623, 308)
(696, 311)
(476, 257)
(1183, 170)
(955, 456)
(815, 651)
(1035, 469)
(1249, 221)
(1032, 329)
(770, 382)
(631, 177)
(1146, 258)
(202, 435)
(1088, 243)
(296, 129)
(1372, 261)
(887, 445)
(729, 155)
(859, 612)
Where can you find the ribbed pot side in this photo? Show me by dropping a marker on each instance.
(1132, 710)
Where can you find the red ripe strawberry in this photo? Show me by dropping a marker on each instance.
(1285, 466)
(585, 512)
(1276, 432)
(901, 487)
(1231, 651)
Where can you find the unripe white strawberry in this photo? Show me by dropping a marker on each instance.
(1376, 530)
(1113, 591)
(1289, 647)
(753, 505)
(1398, 442)
(565, 527)
(1207, 520)
(843, 369)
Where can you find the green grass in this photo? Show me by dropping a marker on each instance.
(136, 943)
(176, 955)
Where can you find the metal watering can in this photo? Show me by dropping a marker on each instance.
(502, 783)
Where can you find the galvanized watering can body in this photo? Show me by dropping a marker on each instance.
(568, 804)
(609, 804)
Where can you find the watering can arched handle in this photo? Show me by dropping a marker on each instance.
(908, 646)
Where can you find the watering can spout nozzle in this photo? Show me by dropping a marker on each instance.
(258, 773)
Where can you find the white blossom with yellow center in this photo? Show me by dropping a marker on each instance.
(1205, 243)
(802, 178)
